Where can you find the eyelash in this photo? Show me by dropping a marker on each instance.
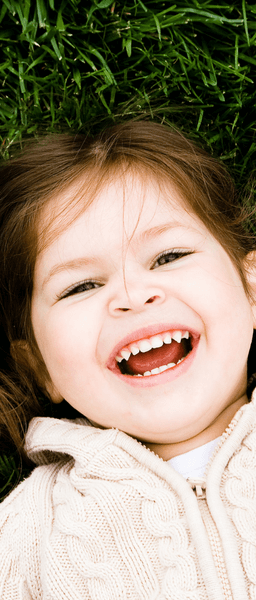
(78, 288)
(175, 254)
(75, 289)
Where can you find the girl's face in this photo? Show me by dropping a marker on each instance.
(122, 274)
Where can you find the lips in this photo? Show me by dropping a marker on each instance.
(151, 351)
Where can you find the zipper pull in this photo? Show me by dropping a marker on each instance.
(199, 487)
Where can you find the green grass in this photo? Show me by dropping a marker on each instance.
(77, 64)
(11, 473)
(73, 63)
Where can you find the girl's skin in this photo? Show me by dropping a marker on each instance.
(80, 327)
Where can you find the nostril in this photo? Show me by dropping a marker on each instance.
(151, 299)
(137, 304)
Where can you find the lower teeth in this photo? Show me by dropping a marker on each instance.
(159, 369)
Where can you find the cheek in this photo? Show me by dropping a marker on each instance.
(66, 339)
(217, 287)
(216, 293)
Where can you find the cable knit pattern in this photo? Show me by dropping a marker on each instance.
(103, 518)
(240, 490)
(161, 518)
(113, 563)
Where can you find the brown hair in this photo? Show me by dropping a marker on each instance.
(50, 165)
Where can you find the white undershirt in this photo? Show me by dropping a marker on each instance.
(193, 464)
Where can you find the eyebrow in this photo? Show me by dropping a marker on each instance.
(157, 230)
(74, 264)
(77, 263)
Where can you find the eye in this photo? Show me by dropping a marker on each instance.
(170, 256)
(79, 288)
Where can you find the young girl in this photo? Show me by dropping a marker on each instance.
(128, 289)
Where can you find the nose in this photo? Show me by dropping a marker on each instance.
(135, 298)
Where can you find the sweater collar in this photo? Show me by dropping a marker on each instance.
(49, 439)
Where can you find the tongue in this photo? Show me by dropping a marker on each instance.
(168, 353)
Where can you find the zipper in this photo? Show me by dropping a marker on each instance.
(199, 488)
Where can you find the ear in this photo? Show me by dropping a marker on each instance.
(250, 270)
(23, 356)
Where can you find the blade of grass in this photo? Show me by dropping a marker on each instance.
(245, 22)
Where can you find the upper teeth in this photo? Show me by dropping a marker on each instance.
(155, 341)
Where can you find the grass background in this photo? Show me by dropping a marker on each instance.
(78, 64)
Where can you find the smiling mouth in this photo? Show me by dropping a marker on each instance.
(154, 355)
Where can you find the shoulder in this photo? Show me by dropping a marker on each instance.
(24, 516)
(28, 503)
(64, 452)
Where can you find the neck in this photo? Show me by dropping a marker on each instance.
(214, 430)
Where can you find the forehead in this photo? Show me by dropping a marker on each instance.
(128, 204)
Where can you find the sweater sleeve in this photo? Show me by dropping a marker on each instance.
(24, 515)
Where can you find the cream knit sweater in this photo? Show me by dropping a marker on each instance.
(103, 518)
